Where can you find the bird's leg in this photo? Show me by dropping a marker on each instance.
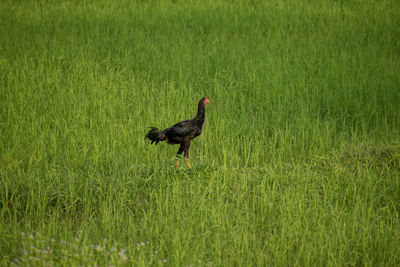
(186, 154)
(178, 155)
(187, 162)
(177, 160)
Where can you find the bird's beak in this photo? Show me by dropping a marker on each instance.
(206, 101)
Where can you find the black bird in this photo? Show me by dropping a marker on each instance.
(181, 133)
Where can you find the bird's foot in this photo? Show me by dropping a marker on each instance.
(177, 164)
(188, 163)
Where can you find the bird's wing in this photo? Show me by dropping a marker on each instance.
(181, 129)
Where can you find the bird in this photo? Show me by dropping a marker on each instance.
(181, 133)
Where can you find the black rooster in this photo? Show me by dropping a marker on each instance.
(181, 133)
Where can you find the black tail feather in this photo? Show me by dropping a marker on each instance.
(155, 135)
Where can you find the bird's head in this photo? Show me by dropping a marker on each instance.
(205, 100)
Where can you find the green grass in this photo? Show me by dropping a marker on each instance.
(298, 163)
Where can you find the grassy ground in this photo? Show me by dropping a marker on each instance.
(298, 163)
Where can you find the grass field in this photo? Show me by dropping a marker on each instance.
(298, 163)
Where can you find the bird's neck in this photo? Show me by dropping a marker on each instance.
(201, 113)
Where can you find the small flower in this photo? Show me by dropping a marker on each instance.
(121, 252)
